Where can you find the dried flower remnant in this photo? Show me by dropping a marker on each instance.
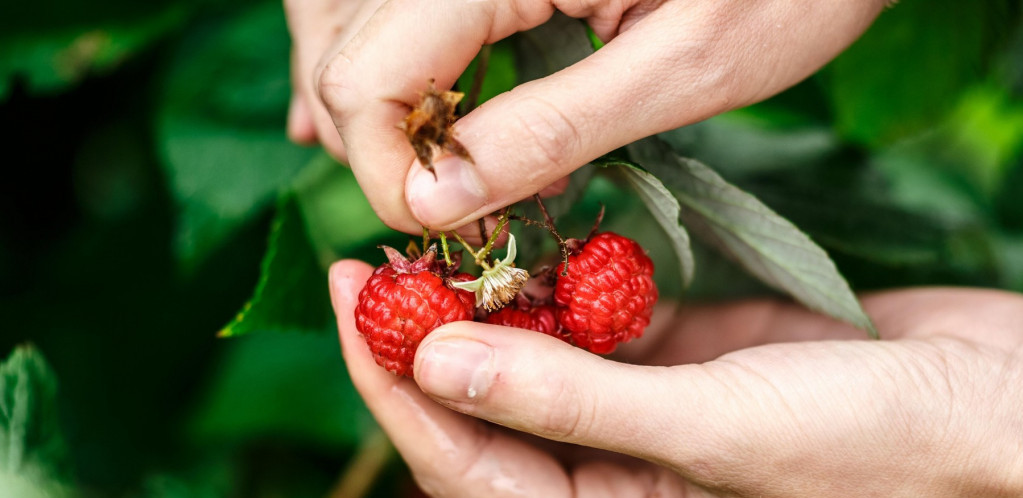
(499, 284)
(429, 126)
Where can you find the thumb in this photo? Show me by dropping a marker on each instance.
(537, 384)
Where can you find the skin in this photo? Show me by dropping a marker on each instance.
(752, 398)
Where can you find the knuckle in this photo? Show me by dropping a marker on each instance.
(546, 131)
(570, 413)
(332, 86)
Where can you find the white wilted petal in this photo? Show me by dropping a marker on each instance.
(498, 285)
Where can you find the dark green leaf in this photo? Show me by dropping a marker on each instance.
(1010, 254)
(339, 218)
(33, 455)
(204, 477)
(292, 291)
(663, 206)
(551, 47)
(764, 243)
(909, 68)
(221, 127)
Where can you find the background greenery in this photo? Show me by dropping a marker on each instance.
(151, 200)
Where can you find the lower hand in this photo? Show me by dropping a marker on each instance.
(756, 398)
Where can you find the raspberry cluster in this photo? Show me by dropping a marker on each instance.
(605, 297)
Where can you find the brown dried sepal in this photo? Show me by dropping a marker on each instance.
(429, 126)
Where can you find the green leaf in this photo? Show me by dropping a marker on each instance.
(221, 128)
(285, 387)
(909, 68)
(845, 204)
(33, 455)
(664, 207)
(765, 244)
(292, 291)
(738, 146)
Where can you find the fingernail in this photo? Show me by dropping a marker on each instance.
(456, 192)
(456, 369)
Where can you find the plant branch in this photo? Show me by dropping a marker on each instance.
(361, 473)
(548, 223)
(472, 98)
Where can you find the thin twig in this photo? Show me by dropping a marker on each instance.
(482, 225)
(361, 473)
(482, 61)
(549, 225)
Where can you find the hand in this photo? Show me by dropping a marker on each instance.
(754, 398)
(667, 64)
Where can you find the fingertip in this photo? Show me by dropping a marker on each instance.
(449, 196)
(556, 188)
(300, 125)
(346, 278)
(459, 363)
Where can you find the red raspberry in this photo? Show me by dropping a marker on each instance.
(540, 317)
(402, 302)
(608, 295)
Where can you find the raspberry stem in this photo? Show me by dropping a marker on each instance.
(482, 257)
(596, 223)
(502, 220)
(444, 248)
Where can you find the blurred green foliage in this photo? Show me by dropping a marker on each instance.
(152, 200)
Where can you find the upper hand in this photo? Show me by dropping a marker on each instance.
(754, 398)
(667, 64)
